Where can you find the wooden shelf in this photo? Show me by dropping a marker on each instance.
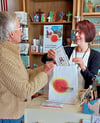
(94, 18)
(94, 45)
(37, 53)
(37, 28)
(91, 14)
(46, 0)
(43, 23)
(97, 24)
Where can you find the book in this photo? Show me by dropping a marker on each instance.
(24, 48)
(26, 61)
(24, 35)
(86, 121)
(22, 17)
(53, 36)
(52, 104)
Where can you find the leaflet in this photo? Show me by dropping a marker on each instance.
(61, 57)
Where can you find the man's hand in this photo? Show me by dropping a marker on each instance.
(48, 67)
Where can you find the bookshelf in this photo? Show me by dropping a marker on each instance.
(36, 28)
(94, 17)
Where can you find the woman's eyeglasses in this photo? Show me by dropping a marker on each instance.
(78, 31)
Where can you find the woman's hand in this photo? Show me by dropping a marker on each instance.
(79, 61)
(51, 54)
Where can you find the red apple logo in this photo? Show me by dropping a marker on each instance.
(54, 38)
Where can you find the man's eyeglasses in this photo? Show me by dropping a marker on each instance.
(20, 28)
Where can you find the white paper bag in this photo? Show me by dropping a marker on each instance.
(63, 87)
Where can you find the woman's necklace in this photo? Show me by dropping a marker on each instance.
(83, 54)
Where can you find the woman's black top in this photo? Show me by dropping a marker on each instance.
(92, 66)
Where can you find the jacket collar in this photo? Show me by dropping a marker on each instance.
(11, 46)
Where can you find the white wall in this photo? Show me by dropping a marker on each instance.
(13, 5)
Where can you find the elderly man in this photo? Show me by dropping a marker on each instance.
(16, 84)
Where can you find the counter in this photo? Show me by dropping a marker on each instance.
(36, 113)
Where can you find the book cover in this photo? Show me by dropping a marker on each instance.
(24, 48)
(24, 35)
(22, 17)
(26, 61)
(53, 36)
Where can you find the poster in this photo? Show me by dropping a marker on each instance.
(53, 36)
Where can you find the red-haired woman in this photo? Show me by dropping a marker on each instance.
(86, 59)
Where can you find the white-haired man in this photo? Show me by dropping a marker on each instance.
(16, 84)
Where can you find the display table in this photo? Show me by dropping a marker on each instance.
(36, 113)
